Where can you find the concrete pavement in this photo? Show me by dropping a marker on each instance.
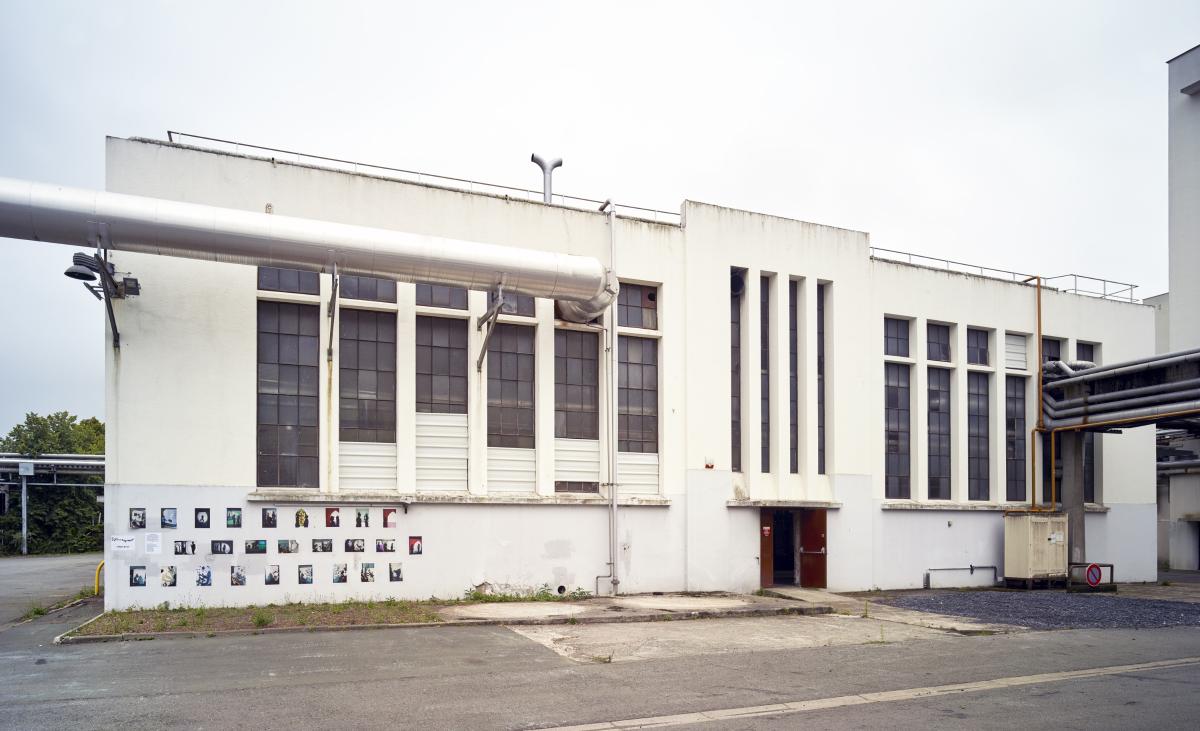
(40, 581)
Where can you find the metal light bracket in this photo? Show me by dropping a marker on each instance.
(333, 297)
(489, 318)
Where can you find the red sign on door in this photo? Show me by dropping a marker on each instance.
(766, 529)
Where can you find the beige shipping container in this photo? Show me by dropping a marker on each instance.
(1035, 545)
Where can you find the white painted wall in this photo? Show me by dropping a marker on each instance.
(1183, 163)
(181, 395)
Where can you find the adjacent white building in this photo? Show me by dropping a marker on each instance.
(789, 408)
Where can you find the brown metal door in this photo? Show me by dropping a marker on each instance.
(766, 546)
(812, 549)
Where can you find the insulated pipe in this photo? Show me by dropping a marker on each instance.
(79, 217)
(1133, 366)
(1104, 408)
(1092, 399)
(1149, 412)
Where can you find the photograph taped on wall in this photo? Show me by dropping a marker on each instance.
(366, 573)
(271, 577)
(202, 517)
(288, 546)
(339, 573)
(137, 575)
(233, 517)
(322, 545)
(185, 548)
(395, 572)
(256, 546)
(389, 517)
(167, 575)
(268, 517)
(385, 545)
(305, 573)
(333, 517)
(203, 576)
(362, 518)
(355, 545)
(137, 517)
(168, 518)
(301, 518)
(222, 547)
(415, 546)
(237, 575)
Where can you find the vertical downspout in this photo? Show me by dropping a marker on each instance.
(612, 403)
(1033, 501)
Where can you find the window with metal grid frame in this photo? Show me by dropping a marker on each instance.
(978, 462)
(522, 305)
(438, 295)
(793, 379)
(897, 405)
(637, 306)
(441, 365)
(764, 372)
(287, 410)
(366, 288)
(977, 346)
(1014, 438)
(939, 433)
(1087, 351)
(510, 393)
(367, 376)
(735, 376)
(895, 337)
(637, 394)
(821, 291)
(576, 384)
(938, 342)
(274, 279)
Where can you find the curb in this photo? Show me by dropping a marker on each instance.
(65, 639)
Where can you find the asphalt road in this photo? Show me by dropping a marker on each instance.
(29, 581)
(491, 677)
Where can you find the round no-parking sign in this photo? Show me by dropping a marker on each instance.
(1093, 575)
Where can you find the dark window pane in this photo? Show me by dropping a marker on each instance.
(288, 280)
(510, 387)
(439, 363)
(821, 290)
(895, 336)
(515, 304)
(977, 346)
(939, 434)
(367, 377)
(637, 306)
(287, 388)
(436, 295)
(637, 395)
(576, 416)
(938, 337)
(978, 462)
(735, 368)
(1015, 445)
(896, 430)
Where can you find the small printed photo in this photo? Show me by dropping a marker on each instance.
(286, 546)
(137, 575)
(233, 517)
(237, 575)
(305, 572)
(259, 546)
(202, 518)
(385, 545)
(389, 517)
(137, 517)
(223, 547)
(415, 546)
(204, 576)
(339, 573)
(185, 548)
(395, 572)
(367, 572)
(268, 517)
(362, 518)
(301, 518)
(355, 545)
(167, 574)
(271, 578)
(168, 518)
(333, 517)
(322, 545)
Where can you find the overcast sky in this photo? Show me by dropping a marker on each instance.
(1021, 135)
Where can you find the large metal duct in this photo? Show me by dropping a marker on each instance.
(79, 217)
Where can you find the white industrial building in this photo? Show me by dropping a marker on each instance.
(790, 406)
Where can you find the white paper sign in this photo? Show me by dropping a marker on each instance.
(121, 544)
(153, 543)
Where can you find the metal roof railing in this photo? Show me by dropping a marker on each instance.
(443, 181)
(1080, 284)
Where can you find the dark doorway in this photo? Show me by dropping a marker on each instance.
(792, 547)
(783, 547)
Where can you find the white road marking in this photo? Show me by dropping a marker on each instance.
(821, 704)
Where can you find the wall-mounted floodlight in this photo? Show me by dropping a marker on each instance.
(81, 273)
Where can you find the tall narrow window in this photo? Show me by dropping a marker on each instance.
(978, 468)
(441, 367)
(895, 336)
(637, 394)
(367, 376)
(366, 288)
(1014, 438)
(939, 434)
(1051, 351)
(938, 337)
(821, 379)
(274, 279)
(764, 376)
(793, 379)
(576, 385)
(637, 306)
(510, 421)
(437, 295)
(977, 346)
(735, 370)
(288, 364)
(1087, 351)
(896, 431)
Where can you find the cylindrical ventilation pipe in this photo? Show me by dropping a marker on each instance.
(80, 217)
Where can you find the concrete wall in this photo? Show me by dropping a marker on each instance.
(181, 400)
(1183, 144)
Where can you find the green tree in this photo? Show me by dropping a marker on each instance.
(62, 518)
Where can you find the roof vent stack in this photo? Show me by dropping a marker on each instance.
(547, 167)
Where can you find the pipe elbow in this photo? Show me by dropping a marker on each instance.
(589, 309)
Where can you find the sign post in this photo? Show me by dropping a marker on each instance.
(1093, 575)
(25, 469)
